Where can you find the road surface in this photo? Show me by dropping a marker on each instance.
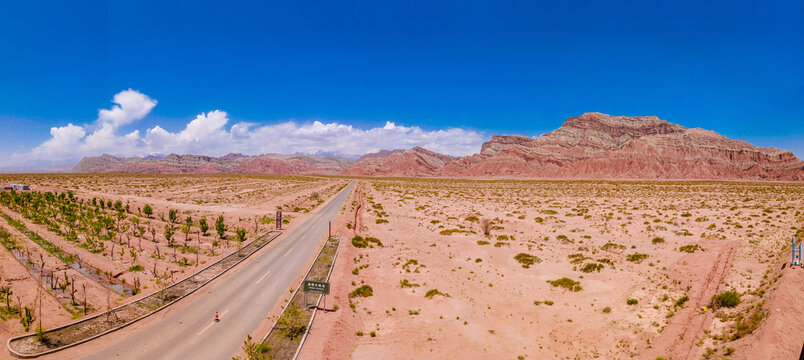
(243, 301)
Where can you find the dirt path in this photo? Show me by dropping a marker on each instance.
(678, 339)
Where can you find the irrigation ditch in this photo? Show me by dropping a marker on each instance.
(287, 335)
(34, 345)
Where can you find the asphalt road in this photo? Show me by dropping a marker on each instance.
(242, 301)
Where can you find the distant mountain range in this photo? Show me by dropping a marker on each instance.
(228, 164)
(591, 146)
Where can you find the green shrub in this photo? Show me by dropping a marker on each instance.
(680, 302)
(404, 283)
(482, 242)
(637, 257)
(363, 291)
(657, 240)
(590, 267)
(612, 246)
(374, 240)
(689, 248)
(745, 326)
(726, 299)
(293, 321)
(359, 242)
(567, 283)
(527, 260)
(433, 292)
(632, 301)
(606, 310)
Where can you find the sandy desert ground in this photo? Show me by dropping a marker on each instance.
(569, 270)
(130, 247)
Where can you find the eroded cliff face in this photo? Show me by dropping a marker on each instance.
(600, 146)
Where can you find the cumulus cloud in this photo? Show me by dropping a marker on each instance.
(131, 106)
(64, 140)
(211, 134)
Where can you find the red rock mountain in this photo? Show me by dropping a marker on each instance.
(417, 162)
(199, 164)
(599, 146)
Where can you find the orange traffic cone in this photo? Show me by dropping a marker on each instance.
(216, 317)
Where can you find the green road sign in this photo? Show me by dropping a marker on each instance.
(316, 287)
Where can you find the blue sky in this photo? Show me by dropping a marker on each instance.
(435, 70)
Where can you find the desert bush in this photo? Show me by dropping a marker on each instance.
(359, 242)
(606, 310)
(689, 248)
(680, 302)
(363, 291)
(726, 299)
(564, 239)
(527, 260)
(658, 240)
(590, 267)
(404, 283)
(637, 257)
(632, 301)
(612, 246)
(370, 239)
(567, 283)
(745, 326)
(434, 292)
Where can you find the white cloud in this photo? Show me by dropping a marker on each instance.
(131, 106)
(64, 140)
(208, 134)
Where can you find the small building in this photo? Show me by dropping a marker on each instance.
(18, 187)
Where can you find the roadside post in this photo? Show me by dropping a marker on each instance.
(316, 287)
(279, 220)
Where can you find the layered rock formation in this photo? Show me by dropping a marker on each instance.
(417, 162)
(599, 146)
(199, 164)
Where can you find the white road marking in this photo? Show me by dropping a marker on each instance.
(208, 326)
(291, 249)
(213, 322)
(263, 277)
